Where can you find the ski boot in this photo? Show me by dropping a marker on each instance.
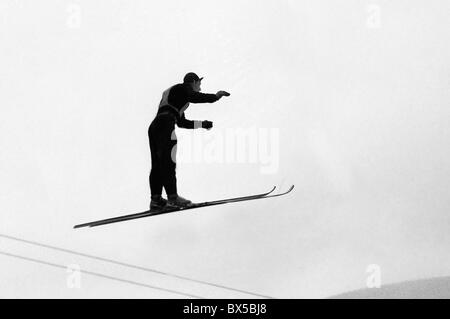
(157, 202)
(177, 201)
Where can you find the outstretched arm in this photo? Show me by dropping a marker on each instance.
(198, 97)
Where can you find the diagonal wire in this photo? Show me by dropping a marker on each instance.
(43, 262)
(132, 266)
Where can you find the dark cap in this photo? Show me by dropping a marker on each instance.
(191, 77)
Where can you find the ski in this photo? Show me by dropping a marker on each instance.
(176, 209)
(165, 211)
(197, 205)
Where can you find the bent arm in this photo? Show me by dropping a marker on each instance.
(189, 124)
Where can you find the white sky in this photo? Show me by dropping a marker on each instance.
(358, 92)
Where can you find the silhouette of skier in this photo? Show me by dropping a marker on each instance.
(163, 142)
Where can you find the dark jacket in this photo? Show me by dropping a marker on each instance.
(176, 99)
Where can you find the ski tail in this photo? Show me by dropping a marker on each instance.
(149, 213)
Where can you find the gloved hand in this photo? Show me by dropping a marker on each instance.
(207, 125)
(222, 93)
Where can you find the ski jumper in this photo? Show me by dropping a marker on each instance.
(162, 137)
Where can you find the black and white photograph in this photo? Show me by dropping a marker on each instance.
(236, 150)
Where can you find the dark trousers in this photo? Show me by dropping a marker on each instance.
(163, 148)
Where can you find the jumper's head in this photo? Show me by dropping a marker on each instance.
(192, 79)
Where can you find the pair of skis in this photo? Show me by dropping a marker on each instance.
(177, 209)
